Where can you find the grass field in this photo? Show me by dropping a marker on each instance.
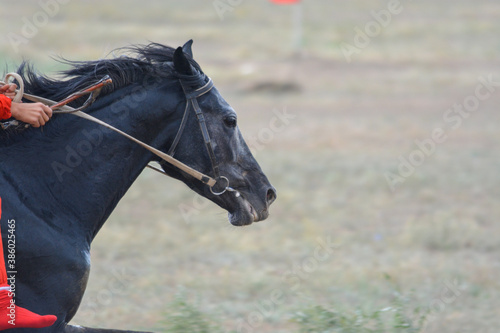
(436, 234)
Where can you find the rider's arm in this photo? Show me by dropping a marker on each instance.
(36, 114)
(5, 104)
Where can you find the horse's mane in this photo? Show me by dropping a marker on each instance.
(134, 63)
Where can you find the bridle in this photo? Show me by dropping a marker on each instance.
(191, 100)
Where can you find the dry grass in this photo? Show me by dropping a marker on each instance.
(352, 122)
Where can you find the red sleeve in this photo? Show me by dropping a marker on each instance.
(5, 104)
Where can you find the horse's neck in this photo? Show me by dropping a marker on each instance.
(81, 170)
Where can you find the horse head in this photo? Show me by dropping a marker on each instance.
(209, 140)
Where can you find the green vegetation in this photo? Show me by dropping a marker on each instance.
(401, 316)
(183, 316)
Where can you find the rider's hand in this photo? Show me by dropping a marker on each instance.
(36, 114)
(8, 90)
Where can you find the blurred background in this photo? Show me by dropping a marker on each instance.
(377, 122)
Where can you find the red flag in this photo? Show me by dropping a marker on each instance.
(285, 2)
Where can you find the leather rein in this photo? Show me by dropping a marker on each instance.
(191, 102)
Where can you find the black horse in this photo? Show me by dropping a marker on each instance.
(62, 182)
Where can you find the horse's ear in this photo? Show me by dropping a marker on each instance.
(187, 48)
(181, 63)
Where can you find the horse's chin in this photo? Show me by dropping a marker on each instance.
(244, 213)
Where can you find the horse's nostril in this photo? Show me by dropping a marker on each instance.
(271, 196)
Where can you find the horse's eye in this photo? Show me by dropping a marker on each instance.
(230, 121)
